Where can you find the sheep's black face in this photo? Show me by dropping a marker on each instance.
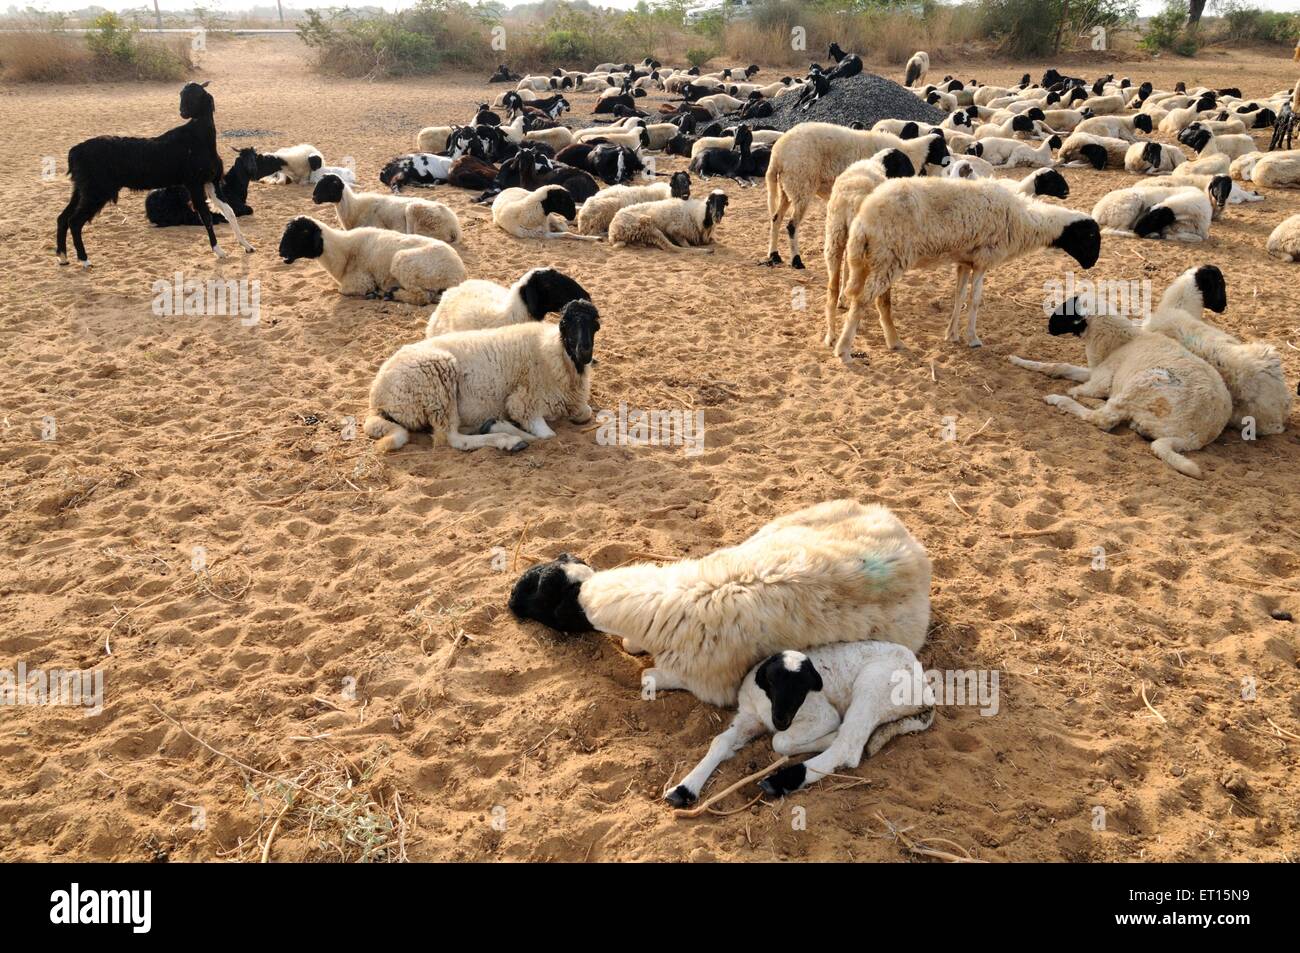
(787, 678)
(1154, 222)
(1035, 113)
(937, 154)
(302, 238)
(559, 202)
(1076, 94)
(1200, 139)
(1186, 136)
(714, 208)
(932, 98)
(910, 130)
(1022, 123)
(679, 186)
(1142, 122)
(1081, 240)
(1180, 87)
(579, 322)
(744, 138)
(549, 594)
(897, 165)
(1220, 188)
(1067, 319)
(1265, 118)
(1095, 154)
(196, 101)
(1213, 289)
(1053, 99)
(1145, 90)
(328, 189)
(314, 162)
(1052, 183)
(1151, 154)
(1054, 143)
(975, 149)
(267, 165)
(547, 290)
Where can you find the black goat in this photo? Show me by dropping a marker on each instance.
(503, 75)
(534, 175)
(171, 206)
(186, 156)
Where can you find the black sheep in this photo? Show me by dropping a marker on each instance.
(171, 206)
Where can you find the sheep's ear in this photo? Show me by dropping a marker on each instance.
(760, 676)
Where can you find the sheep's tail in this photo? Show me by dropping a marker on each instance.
(390, 434)
(906, 725)
(1166, 448)
(773, 180)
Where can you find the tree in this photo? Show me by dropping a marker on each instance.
(1194, 10)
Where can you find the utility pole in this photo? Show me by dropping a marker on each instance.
(157, 14)
(279, 7)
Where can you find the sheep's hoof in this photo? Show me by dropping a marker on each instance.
(517, 446)
(487, 426)
(976, 342)
(788, 779)
(218, 251)
(1055, 399)
(680, 796)
(84, 262)
(248, 249)
(796, 262)
(61, 259)
(772, 259)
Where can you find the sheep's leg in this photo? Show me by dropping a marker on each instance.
(778, 203)
(461, 441)
(505, 426)
(743, 729)
(1105, 417)
(1069, 371)
(85, 212)
(662, 680)
(797, 213)
(976, 296)
(885, 308)
(230, 215)
(787, 746)
(834, 253)
(61, 242)
(958, 299)
(538, 428)
(631, 648)
(200, 204)
(870, 707)
(1097, 386)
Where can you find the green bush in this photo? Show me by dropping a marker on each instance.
(1168, 30)
(699, 55)
(1041, 27)
(1243, 24)
(119, 52)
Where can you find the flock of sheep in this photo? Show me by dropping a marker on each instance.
(804, 623)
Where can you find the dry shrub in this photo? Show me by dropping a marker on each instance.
(112, 53)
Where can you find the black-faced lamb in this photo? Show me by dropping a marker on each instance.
(834, 700)
(538, 214)
(834, 572)
(670, 224)
(599, 210)
(399, 213)
(503, 383)
(375, 262)
(476, 304)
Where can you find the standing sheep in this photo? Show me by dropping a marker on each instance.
(916, 68)
(483, 380)
(976, 224)
(375, 262)
(834, 572)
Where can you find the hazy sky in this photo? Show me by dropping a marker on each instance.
(1146, 6)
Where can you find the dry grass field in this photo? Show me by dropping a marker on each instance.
(345, 645)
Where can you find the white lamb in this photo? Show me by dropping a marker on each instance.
(1180, 212)
(526, 214)
(494, 381)
(834, 572)
(836, 700)
(476, 304)
(1252, 371)
(599, 210)
(975, 224)
(1163, 391)
(400, 213)
(670, 224)
(1153, 158)
(299, 162)
(1284, 241)
(375, 262)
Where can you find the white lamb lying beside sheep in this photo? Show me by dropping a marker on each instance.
(300, 162)
(1162, 390)
(526, 214)
(836, 700)
(1180, 212)
(1284, 241)
(477, 304)
(398, 213)
(836, 571)
(1252, 371)
(670, 224)
(375, 262)
(483, 380)
(599, 210)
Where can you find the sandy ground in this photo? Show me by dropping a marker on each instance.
(351, 624)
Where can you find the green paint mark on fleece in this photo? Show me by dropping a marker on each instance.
(877, 568)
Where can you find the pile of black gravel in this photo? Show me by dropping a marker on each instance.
(865, 98)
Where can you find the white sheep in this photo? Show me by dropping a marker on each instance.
(836, 700)
(1180, 212)
(1232, 146)
(834, 572)
(1236, 195)
(557, 138)
(1284, 241)
(1252, 371)
(975, 224)
(433, 138)
(1277, 170)
(1153, 158)
(400, 213)
(299, 161)
(1163, 391)
(917, 66)
(476, 304)
(489, 381)
(375, 262)
(806, 161)
(1082, 148)
(670, 224)
(526, 214)
(1128, 128)
(599, 210)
